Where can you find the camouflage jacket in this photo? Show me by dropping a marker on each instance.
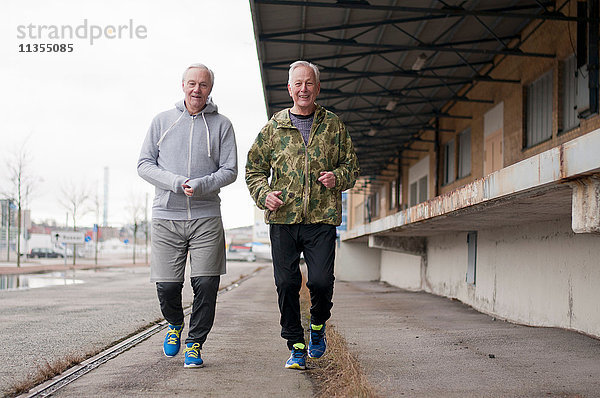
(280, 152)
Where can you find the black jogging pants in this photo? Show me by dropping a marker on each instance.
(317, 242)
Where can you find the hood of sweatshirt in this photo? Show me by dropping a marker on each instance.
(210, 107)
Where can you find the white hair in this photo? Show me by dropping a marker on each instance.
(297, 64)
(200, 66)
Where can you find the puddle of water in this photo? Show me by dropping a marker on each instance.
(14, 282)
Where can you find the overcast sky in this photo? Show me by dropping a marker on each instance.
(91, 108)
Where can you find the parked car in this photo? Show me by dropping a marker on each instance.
(240, 253)
(42, 252)
(262, 251)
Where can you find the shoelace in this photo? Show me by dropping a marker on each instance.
(316, 336)
(173, 336)
(297, 353)
(192, 351)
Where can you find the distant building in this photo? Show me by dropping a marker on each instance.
(236, 236)
(260, 230)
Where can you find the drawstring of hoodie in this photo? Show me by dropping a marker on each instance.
(207, 134)
(163, 135)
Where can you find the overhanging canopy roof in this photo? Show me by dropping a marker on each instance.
(389, 68)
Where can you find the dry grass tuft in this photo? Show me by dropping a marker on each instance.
(46, 371)
(338, 372)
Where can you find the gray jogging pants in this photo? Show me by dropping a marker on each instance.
(172, 240)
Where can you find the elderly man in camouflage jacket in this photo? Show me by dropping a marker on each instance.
(309, 156)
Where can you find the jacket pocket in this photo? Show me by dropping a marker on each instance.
(176, 201)
(160, 199)
(329, 207)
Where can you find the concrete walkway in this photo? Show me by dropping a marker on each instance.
(420, 345)
(409, 344)
(243, 355)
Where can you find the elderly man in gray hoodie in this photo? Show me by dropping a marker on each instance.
(189, 154)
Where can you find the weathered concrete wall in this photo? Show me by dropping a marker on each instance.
(586, 205)
(541, 274)
(447, 266)
(355, 261)
(402, 270)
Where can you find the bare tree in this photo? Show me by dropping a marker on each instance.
(136, 209)
(74, 200)
(21, 186)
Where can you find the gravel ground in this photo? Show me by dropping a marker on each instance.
(54, 322)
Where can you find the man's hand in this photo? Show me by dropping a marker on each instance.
(327, 178)
(273, 202)
(187, 190)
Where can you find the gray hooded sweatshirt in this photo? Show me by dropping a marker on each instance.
(199, 149)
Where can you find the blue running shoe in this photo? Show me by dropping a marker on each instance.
(192, 356)
(318, 343)
(172, 340)
(298, 358)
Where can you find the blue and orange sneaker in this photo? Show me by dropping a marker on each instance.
(172, 340)
(318, 342)
(297, 358)
(192, 356)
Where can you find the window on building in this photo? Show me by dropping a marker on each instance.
(539, 110)
(374, 205)
(399, 200)
(392, 194)
(417, 179)
(449, 162)
(464, 153)
(359, 212)
(423, 189)
(418, 191)
(576, 93)
(414, 194)
(471, 256)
